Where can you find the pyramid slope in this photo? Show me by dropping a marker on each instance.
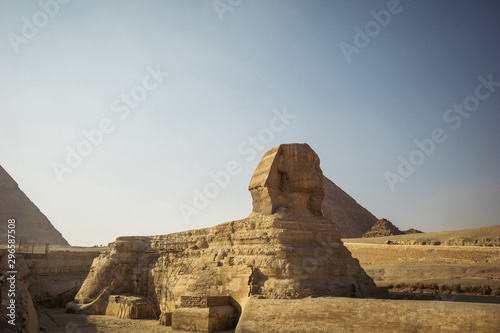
(351, 218)
(32, 226)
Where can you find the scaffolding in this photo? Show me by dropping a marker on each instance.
(154, 278)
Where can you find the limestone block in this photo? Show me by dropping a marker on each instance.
(131, 307)
(166, 318)
(209, 319)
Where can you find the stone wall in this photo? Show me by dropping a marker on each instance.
(56, 277)
(61, 262)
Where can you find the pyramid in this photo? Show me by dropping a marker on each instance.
(384, 227)
(351, 218)
(32, 226)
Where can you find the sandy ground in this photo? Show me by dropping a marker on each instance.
(432, 269)
(56, 321)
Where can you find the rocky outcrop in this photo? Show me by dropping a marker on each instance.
(285, 249)
(351, 219)
(32, 226)
(383, 228)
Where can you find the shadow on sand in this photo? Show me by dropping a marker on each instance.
(56, 320)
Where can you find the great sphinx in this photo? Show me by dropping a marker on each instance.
(284, 249)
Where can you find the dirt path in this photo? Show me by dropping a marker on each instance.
(56, 321)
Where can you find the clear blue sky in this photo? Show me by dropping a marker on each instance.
(181, 89)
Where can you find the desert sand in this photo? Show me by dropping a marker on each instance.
(437, 269)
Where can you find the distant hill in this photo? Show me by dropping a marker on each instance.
(350, 217)
(476, 236)
(32, 226)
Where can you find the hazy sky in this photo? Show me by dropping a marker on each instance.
(149, 117)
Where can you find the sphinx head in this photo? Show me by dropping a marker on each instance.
(288, 177)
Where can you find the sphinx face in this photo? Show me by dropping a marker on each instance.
(303, 173)
(288, 176)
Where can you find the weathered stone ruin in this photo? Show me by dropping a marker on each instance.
(285, 249)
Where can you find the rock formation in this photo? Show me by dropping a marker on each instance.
(32, 226)
(285, 249)
(351, 218)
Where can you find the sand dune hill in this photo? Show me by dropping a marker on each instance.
(477, 236)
